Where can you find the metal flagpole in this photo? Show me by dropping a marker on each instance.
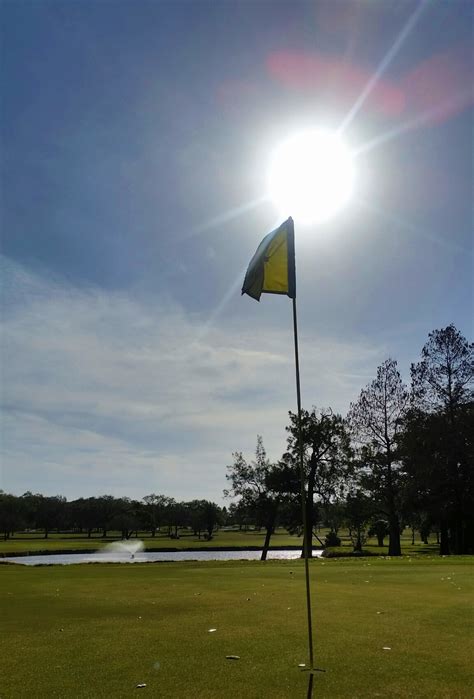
(254, 285)
(306, 539)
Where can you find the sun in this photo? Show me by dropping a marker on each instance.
(311, 176)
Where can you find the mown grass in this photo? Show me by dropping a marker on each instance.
(34, 542)
(22, 543)
(99, 630)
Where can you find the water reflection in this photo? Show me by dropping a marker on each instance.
(124, 555)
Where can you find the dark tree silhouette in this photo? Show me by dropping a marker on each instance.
(438, 438)
(212, 517)
(12, 514)
(443, 379)
(380, 529)
(375, 420)
(256, 485)
(327, 458)
(108, 508)
(44, 512)
(84, 514)
(358, 510)
(155, 511)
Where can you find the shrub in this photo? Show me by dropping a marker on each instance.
(332, 539)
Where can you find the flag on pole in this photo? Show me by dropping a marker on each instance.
(272, 268)
(272, 271)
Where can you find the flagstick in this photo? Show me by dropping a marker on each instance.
(306, 543)
(275, 246)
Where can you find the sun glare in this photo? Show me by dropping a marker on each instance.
(311, 176)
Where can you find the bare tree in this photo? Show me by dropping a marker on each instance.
(255, 484)
(376, 420)
(444, 378)
(327, 458)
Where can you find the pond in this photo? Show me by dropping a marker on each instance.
(114, 556)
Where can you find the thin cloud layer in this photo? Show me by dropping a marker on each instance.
(105, 392)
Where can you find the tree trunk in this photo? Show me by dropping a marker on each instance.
(444, 539)
(380, 539)
(266, 544)
(270, 528)
(468, 535)
(308, 534)
(458, 538)
(394, 547)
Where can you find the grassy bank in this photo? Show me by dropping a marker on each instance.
(99, 630)
(35, 542)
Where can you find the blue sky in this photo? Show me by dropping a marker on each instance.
(135, 141)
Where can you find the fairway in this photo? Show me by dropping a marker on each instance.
(100, 630)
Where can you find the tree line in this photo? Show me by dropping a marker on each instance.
(104, 514)
(402, 456)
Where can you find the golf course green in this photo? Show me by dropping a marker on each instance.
(382, 628)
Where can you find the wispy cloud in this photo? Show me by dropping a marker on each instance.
(103, 392)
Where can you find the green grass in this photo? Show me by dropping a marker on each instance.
(22, 543)
(34, 542)
(99, 630)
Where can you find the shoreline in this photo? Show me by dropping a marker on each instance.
(170, 549)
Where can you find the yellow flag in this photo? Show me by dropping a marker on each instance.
(272, 268)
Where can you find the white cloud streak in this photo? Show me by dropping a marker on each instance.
(102, 392)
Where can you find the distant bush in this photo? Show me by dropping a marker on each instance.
(332, 539)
